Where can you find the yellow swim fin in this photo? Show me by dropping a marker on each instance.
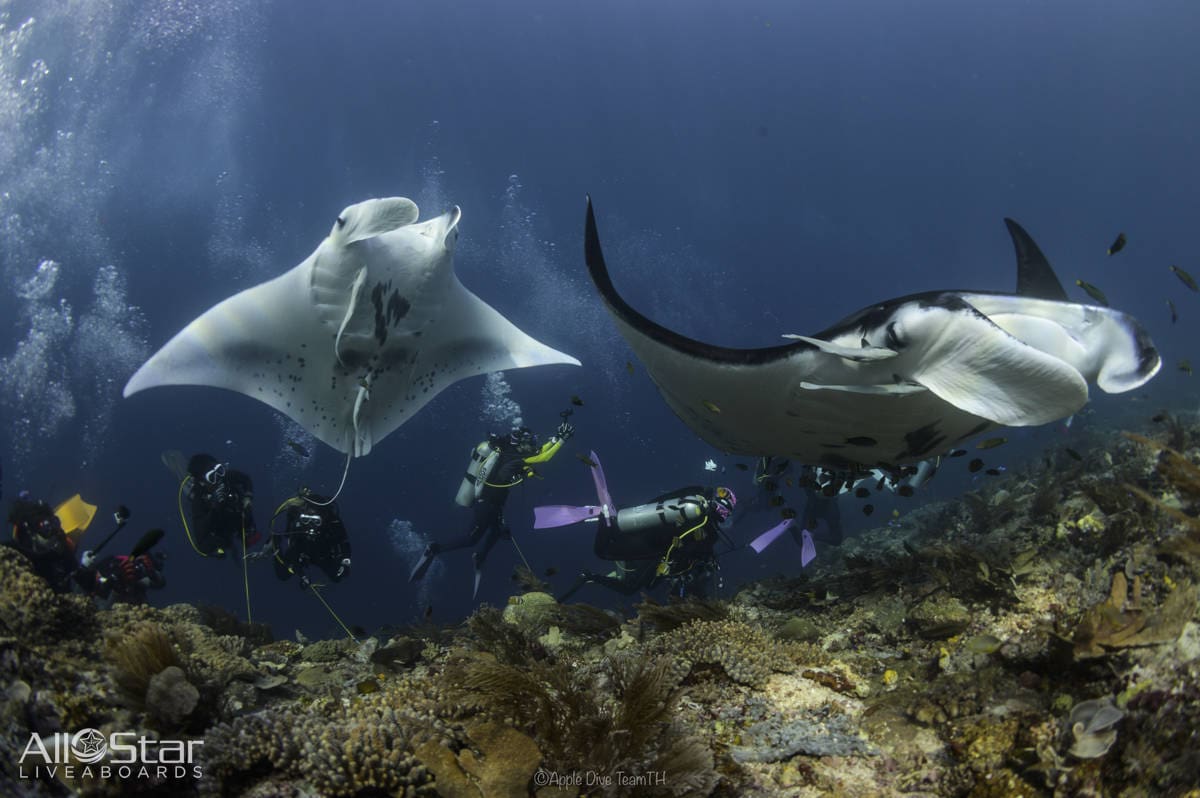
(75, 515)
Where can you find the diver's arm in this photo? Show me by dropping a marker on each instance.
(548, 450)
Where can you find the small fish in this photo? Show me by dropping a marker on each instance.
(895, 513)
(583, 458)
(787, 513)
(975, 465)
(741, 466)
(1174, 313)
(862, 493)
(957, 453)
(1160, 418)
(1094, 292)
(297, 448)
(994, 472)
(861, 440)
(991, 443)
(770, 485)
(983, 644)
(711, 407)
(1117, 245)
(1074, 455)
(358, 631)
(777, 501)
(428, 611)
(788, 482)
(868, 509)
(551, 571)
(575, 400)
(1185, 366)
(629, 366)
(1187, 279)
(905, 490)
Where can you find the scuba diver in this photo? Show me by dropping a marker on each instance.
(38, 534)
(497, 465)
(671, 539)
(124, 578)
(822, 517)
(222, 506)
(313, 534)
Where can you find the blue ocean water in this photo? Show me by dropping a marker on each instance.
(757, 169)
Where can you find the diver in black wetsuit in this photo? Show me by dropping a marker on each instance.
(670, 539)
(222, 506)
(313, 535)
(497, 465)
(38, 534)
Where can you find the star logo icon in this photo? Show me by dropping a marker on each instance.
(89, 745)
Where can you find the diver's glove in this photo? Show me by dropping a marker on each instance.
(268, 550)
(565, 430)
(344, 567)
(246, 502)
(304, 582)
(88, 559)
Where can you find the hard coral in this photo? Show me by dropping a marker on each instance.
(333, 748)
(746, 653)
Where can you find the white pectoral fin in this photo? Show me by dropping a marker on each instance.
(972, 364)
(855, 353)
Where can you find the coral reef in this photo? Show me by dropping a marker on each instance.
(1038, 637)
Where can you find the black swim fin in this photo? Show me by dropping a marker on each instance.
(478, 574)
(418, 571)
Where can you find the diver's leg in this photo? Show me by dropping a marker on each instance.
(493, 529)
(434, 549)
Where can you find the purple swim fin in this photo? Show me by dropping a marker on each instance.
(770, 536)
(808, 550)
(552, 515)
(606, 502)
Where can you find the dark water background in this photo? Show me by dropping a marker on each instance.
(758, 168)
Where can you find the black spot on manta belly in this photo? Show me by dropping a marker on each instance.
(921, 441)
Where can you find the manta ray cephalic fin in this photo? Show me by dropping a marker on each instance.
(857, 354)
(968, 361)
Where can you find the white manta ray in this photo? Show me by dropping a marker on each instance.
(358, 337)
(898, 381)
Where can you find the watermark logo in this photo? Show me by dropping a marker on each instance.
(90, 754)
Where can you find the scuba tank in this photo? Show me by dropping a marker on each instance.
(483, 460)
(678, 511)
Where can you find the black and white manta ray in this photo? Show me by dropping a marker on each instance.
(358, 337)
(898, 381)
